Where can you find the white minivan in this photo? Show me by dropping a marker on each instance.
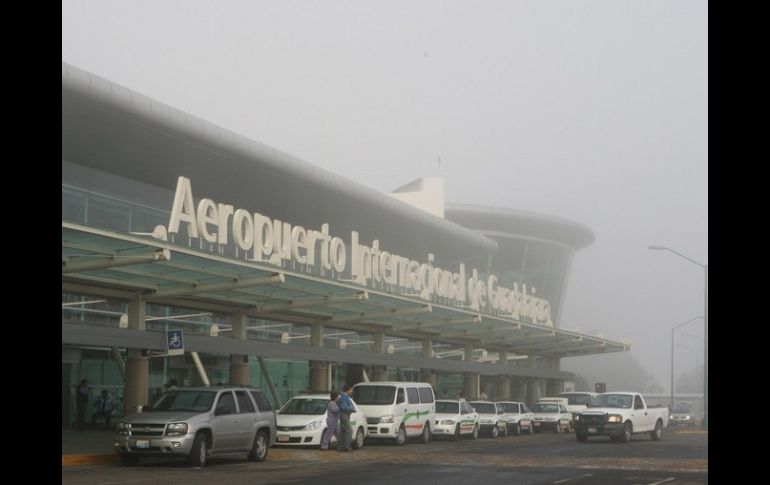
(396, 410)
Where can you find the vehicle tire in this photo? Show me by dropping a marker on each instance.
(128, 460)
(197, 456)
(495, 432)
(517, 429)
(657, 433)
(626, 436)
(358, 443)
(456, 436)
(475, 434)
(401, 436)
(425, 438)
(259, 448)
(582, 437)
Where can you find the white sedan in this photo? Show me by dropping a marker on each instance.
(455, 418)
(551, 415)
(302, 421)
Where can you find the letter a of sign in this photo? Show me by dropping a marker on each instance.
(174, 342)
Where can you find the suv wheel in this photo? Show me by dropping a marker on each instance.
(358, 443)
(401, 435)
(425, 433)
(197, 457)
(259, 448)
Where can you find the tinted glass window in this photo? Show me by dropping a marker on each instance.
(226, 403)
(509, 407)
(244, 403)
(411, 395)
(400, 396)
(262, 403)
(185, 401)
(303, 405)
(575, 399)
(484, 407)
(447, 407)
(374, 394)
(545, 408)
(426, 395)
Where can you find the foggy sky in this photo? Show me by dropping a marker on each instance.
(591, 110)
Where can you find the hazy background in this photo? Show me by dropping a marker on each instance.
(591, 110)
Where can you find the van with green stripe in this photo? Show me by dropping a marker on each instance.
(397, 410)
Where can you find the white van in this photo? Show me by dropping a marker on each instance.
(578, 401)
(396, 410)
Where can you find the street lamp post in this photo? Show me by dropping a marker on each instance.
(672, 355)
(705, 267)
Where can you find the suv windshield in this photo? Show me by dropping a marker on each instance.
(509, 407)
(545, 408)
(446, 407)
(575, 399)
(305, 406)
(374, 394)
(185, 401)
(484, 407)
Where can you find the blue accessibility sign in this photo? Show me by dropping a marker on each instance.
(175, 341)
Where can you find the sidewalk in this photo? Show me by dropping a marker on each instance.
(87, 447)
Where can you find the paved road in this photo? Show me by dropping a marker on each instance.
(680, 458)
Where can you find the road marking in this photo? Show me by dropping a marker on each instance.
(574, 478)
(664, 481)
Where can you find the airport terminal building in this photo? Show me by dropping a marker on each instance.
(193, 253)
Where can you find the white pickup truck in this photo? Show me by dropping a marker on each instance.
(619, 415)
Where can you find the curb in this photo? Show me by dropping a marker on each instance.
(98, 459)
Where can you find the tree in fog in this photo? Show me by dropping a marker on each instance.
(581, 383)
(690, 381)
(621, 371)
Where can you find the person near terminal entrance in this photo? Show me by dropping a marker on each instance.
(332, 420)
(82, 403)
(172, 384)
(104, 406)
(346, 409)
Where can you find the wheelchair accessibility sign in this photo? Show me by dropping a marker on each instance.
(175, 342)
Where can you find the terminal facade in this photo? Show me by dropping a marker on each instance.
(192, 253)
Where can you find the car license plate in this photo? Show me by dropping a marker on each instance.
(283, 437)
(142, 443)
(592, 430)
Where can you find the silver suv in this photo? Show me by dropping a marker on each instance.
(197, 422)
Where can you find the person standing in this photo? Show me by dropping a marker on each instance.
(346, 409)
(82, 403)
(332, 420)
(104, 406)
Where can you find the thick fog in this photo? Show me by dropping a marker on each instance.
(595, 111)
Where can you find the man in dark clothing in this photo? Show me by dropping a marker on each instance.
(104, 406)
(346, 409)
(82, 402)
